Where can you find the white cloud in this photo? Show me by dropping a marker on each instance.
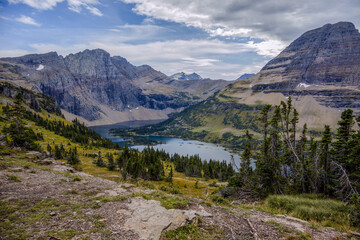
(201, 56)
(38, 4)
(270, 48)
(267, 19)
(77, 5)
(74, 5)
(13, 53)
(27, 20)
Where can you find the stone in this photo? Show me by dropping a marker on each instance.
(148, 218)
(17, 169)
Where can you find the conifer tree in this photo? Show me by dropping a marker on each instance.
(344, 133)
(18, 110)
(170, 178)
(100, 162)
(73, 157)
(246, 170)
(111, 164)
(325, 157)
(49, 149)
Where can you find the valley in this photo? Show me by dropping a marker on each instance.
(273, 155)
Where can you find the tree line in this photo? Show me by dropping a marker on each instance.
(288, 163)
(76, 132)
(148, 164)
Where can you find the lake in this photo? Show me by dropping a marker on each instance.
(171, 145)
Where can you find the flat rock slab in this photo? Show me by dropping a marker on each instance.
(148, 218)
(114, 192)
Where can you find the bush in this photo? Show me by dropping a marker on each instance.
(218, 199)
(172, 190)
(213, 184)
(227, 191)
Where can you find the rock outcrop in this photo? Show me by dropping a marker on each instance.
(103, 89)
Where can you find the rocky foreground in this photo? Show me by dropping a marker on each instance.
(46, 199)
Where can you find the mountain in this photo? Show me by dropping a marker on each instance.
(100, 89)
(184, 76)
(319, 70)
(245, 76)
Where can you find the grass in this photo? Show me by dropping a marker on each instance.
(13, 178)
(313, 208)
(290, 234)
(194, 233)
(19, 218)
(167, 201)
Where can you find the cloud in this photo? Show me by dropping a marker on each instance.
(73, 5)
(267, 19)
(38, 4)
(13, 53)
(201, 56)
(270, 48)
(27, 20)
(77, 5)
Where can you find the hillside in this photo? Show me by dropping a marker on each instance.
(45, 198)
(100, 89)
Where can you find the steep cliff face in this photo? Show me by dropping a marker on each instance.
(327, 55)
(95, 86)
(320, 70)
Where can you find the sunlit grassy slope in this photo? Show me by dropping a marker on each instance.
(186, 185)
(318, 211)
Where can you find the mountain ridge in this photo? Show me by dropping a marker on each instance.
(310, 70)
(100, 89)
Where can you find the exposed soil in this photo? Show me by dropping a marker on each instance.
(61, 203)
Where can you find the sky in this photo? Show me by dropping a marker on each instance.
(216, 39)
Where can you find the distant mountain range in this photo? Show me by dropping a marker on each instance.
(245, 76)
(184, 76)
(100, 89)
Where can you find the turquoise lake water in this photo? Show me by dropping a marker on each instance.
(172, 145)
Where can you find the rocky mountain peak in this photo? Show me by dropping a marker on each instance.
(184, 76)
(330, 54)
(34, 60)
(103, 89)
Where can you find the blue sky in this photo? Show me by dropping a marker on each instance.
(216, 39)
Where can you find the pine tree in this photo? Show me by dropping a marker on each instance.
(325, 157)
(246, 170)
(100, 162)
(170, 177)
(18, 110)
(111, 164)
(344, 134)
(49, 149)
(73, 157)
